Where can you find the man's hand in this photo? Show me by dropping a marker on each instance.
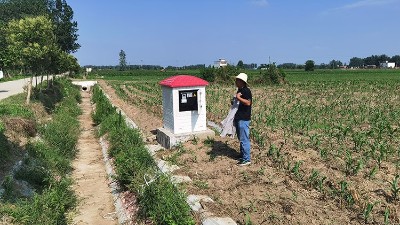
(242, 100)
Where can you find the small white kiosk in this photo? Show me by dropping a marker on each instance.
(184, 110)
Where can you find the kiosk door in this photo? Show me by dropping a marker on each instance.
(188, 100)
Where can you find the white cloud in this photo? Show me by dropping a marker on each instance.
(364, 3)
(261, 3)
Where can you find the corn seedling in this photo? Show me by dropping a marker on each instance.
(261, 171)
(395, 189)
(296, 170)
(372, 172)
(201, 184)
(209, 141)
(271, 150)
(368, 210)
(313, 179)
(387, 216)
(195, 140)
(321, 183)
(324, 153)
(248, 219)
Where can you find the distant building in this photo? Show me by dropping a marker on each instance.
(387, 65)
(88, 70)
(220, 63)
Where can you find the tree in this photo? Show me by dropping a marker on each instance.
(356, 62)
(274, 75)
(323, 66)
(287, 66)
(122, 60)
(65, 28)
(17, 9)
(60, 13)
(240, 65)
(31, 43)
(396, 59)
(383, 58)
(372, 60)
(310, 65)
(334, 64)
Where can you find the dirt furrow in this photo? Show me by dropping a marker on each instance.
(91, 183)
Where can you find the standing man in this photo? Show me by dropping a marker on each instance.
(242, 118)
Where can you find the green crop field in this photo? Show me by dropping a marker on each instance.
(335, 131)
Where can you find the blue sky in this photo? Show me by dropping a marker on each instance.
(187, 32)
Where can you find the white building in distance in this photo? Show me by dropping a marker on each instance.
(387, 64)
(220, 63)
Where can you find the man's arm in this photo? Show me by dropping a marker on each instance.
(242, 100)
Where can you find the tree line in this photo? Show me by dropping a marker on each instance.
(355, 62)
(37, 37)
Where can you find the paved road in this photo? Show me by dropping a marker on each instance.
(14, 87)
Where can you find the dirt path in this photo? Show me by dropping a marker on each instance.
(96, 202)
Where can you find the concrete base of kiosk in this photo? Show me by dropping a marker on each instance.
(168, 140)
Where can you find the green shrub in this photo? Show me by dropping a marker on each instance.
(124, 138)
(49, 157)
(47, 165)
(63, 131)
(165, 204)
(132, 165)
(15, 110)
(8, 185)
(103, 106)
(46, 208)
(220, 75)
(62, 134)
(4, 147)
(208, 74)
(34, 172)
(161, 200)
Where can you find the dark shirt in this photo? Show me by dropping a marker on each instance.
(244, 111)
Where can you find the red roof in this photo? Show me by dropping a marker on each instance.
(183, 81)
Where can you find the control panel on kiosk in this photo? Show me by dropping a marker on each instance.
(188, 100)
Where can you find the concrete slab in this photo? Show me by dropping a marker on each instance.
(194, 201)
(168, 140)
(218, 221)
(153, 149)
(165, 168)
(176, 179)
(86, 85)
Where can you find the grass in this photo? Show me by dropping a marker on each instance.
(18, 77)
(47, 162)
(158, 198)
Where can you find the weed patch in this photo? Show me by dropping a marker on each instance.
(136, 170)
(46, 163)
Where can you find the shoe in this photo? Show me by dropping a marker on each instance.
(243, 163)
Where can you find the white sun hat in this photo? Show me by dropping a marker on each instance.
(242, 76)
